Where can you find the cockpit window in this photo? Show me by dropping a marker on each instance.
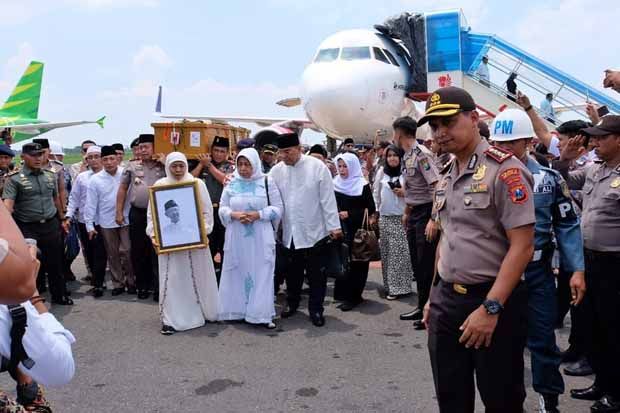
(327, 55)
(355, 53)
(391, 57)
(380, 56)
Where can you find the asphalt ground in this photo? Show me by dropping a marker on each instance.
(365, 360)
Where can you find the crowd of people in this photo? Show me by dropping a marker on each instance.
(504, 229)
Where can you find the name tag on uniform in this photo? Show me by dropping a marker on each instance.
(475, 188)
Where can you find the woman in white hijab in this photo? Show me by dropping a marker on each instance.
(250, 210)
(188, 288)
(354, 198)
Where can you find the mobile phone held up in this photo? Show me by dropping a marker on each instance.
(602, 111)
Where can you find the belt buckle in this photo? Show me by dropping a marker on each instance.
(459, 288)
(42, 221)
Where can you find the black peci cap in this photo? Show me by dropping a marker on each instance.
(32, 148)
(348, 141)
(135, 143)
(108, 150)
(146, 138)
(45, 144)
(170, 204)
(118, 147)
(318, 149)
(221, 142)
(287, 140)
(447, 101)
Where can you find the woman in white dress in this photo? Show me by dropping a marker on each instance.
(188, 288)
(250, 210)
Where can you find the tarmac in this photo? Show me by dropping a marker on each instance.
(365, 360)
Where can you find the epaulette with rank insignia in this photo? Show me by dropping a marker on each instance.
(499, 155)
(417, 150)
(13, 172)
(447, 166)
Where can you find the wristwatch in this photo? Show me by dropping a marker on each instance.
(493, 307)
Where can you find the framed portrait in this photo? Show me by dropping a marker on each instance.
(177, 217)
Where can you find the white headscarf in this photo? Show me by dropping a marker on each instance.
(252, 156)
(353, 185)
(170, 179)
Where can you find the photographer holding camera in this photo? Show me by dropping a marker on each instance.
(34, 346)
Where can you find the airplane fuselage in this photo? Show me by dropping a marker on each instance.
(355, 85)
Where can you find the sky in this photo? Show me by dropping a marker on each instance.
(107, 57)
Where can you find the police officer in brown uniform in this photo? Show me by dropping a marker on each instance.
(600, 225)
(420, 173)
(137, 178)
(477, 309)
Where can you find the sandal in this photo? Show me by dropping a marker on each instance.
(270, 326)
(167, 330)
(391, 297)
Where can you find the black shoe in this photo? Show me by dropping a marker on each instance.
(589, 393)
(118, 291)
(167, 330)
(132, 291)
(580, 368)
(570, 355)
(288, 311)
(419, 325)
(97, 292)
(143, 294)
(548, 403)
(412, 315)
(62, 301)
(607, 404)
(317, 319)
(346, 306)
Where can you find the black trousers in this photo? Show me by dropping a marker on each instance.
(602, 309)
(421, 251)
(95, 254)
(50, 243)
(216, 242)
(351, 287)
(311, 263)
(143, 256)
(498, 368)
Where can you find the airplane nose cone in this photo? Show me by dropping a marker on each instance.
(333, 98)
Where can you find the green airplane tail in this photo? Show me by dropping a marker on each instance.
(24, 99)
(100, 121)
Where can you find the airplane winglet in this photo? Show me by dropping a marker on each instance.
(158, 104)
(100, 121)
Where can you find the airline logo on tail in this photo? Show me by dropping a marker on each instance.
(23, 102)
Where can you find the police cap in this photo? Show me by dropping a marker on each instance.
(6, 150)
(32, 148)
(447, 101)
(45, 144)
(608, 125)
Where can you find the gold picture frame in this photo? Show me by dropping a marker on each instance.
(176, 235)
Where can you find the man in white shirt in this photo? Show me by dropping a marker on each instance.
(176, 232)
(483, 71)
(310, 218)
(101, 209)
(93, 249)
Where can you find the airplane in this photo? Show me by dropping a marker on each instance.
(354, 86)
(19, 114)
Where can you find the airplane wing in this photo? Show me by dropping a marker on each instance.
(39, 128)
(286, 122)
(260, 121)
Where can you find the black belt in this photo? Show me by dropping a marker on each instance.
(42, 221)
(468, 289)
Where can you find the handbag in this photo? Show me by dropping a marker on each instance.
(337, 259)
(365, 246)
